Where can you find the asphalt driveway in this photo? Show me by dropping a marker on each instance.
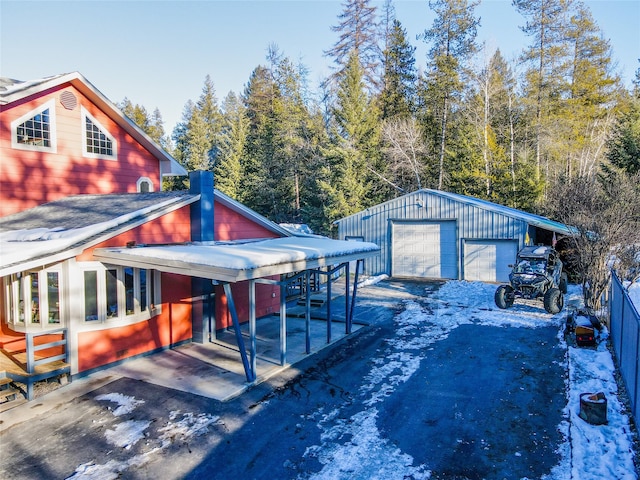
(438, 386)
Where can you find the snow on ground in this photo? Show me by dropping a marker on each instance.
(590, 452)
(180, 428)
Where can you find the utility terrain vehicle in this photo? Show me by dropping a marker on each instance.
(537, 274)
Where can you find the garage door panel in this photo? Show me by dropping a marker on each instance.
(488, 260)
(424, 250)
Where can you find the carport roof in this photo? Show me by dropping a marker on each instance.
(240, 260)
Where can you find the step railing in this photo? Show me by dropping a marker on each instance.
(32, 348)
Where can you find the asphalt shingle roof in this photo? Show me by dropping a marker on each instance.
(80, 211)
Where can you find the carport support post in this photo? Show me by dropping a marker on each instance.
(353, 299)
(252, 324)
(283, 324)
(347, 327)
(329, 307)
(307, 313)
(250, 374)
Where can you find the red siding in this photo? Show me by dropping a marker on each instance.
(28, 179)
(230, 225)
(173, 325)
(267, 302)
(173, 227)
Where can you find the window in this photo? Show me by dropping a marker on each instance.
(97, 143)
(35, 130)
(33, 298)
(119, 293)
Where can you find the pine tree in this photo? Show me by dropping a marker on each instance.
(494, 112)
(230, 148)
(207, 104)
(399, 82)
(623, 147)
(198, 145)
(548, 62)
(358, 34)
(258, 98)
(452, 38)
(588, 114)
(353, 157)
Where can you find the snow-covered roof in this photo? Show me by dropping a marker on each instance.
(14, 90)
(62, 229)
(242, 260)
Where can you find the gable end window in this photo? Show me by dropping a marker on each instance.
(35, 130)
(96, 140)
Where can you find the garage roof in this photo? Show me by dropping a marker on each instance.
(240, 260)
(530, 218)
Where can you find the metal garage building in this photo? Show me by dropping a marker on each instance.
(440, 235)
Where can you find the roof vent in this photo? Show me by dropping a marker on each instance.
(68, 100)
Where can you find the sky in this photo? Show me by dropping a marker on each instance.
(157, 53)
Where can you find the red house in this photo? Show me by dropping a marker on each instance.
(99, 265)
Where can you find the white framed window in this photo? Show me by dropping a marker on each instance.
(119, 294)
(33, 298)
(36, 130)
(97, 142)
(144, 185)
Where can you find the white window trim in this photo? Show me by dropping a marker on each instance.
(122, 319)
(12, 305)
(84, 115)
(51, 105)
(142, 180)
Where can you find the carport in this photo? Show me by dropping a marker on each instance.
(256, 261)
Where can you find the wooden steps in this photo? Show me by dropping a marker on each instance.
(10, 396)
(14, 366)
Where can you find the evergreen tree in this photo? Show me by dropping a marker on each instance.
(623, 147)
(195, 135)
(198, 145)
(546, 77)
(588, 114)
(399, 82)
(282, 142)
(258, 98)
(358, 34)
(230, 148)
(156, 130)
(352, 159)
(494, 111)
(452, 38)
(207, 105)
(152, 125)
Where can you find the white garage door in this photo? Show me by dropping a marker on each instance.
(424, 250)
(489, 260)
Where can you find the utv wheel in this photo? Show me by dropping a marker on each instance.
(564, 282)
(504, 296)
(553, 301)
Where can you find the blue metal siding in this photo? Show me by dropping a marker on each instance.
(474, 222)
